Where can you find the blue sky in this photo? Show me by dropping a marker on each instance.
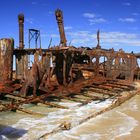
(118, 21)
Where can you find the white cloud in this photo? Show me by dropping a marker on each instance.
(34, 3)
(80, 34)
(112, 39)
(93, 18)
(135, 14)
(54, 35)
(29, 20)
(127, 4)
(50, 12)
(80, 41)
(67, 27)
(120, 38)
(97, 20)
(131, 20)
(89, 15)
(80, 38)
(134, 28)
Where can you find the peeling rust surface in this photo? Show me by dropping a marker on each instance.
(6, 59)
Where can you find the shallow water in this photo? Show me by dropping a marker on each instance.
(121, 123)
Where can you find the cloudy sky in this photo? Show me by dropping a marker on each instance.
(118, 21)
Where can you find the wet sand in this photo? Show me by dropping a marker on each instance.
(121, 123)
(132, 109)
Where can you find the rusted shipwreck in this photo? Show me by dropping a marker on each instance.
(62, 71)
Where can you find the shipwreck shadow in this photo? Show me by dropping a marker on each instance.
(10, 133)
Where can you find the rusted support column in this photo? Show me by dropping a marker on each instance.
(91, 63)
(109, 66)
(59, 18)
(6, 59)
(109, 63)
(97, 65)
(21, 64)
(21, 30)
(104, 67)
(132, 67)
(48, 66)
(25, 69)
(64, 68)
(36, 56)
(98, 40)
(47, 70)
(71, 72)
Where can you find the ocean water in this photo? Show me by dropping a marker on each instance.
(121, 123)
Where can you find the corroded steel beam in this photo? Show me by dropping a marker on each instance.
(59, 18)
(21, 30)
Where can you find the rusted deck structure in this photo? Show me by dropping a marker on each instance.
(62, 72)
